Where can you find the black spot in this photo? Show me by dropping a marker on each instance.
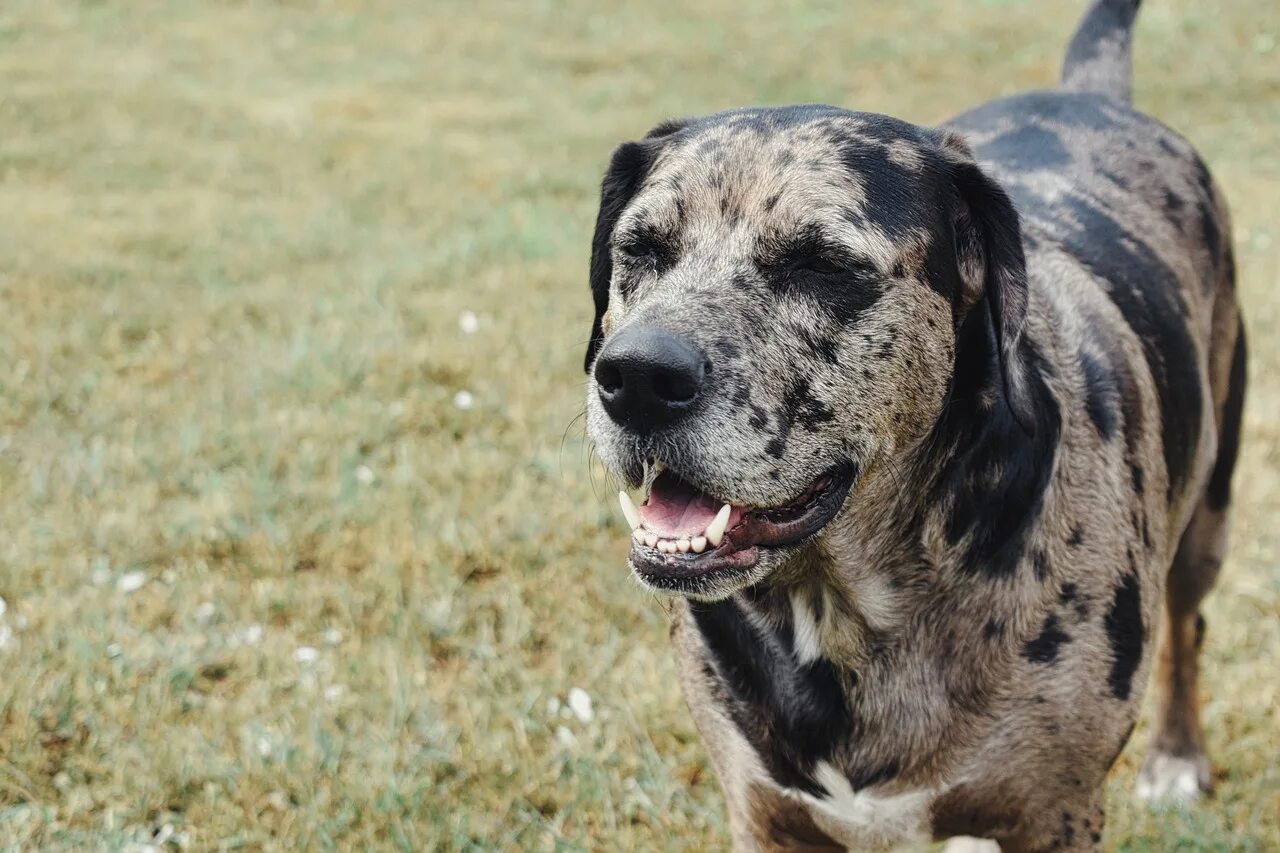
(792, 714)
(771, 202)
(1146, 292)
(776, 447)
(1077, 536)
(1116, 178)
(823, 346)
(1125, 634)
(1100, 395)
(799, 405)
(1172, 203)
(1048, 108)
(994, 629)
(895, 202)
(1044, 648)
(759, 418)
(1040, 564)
(1218, 492)
(1027, 147)
(1068, 593)
(1135, 472)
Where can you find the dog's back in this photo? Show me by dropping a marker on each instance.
(1128, 241)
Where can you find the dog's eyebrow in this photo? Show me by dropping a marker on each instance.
(808, 241)
(644, 232)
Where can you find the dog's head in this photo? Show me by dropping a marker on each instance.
(779, 295)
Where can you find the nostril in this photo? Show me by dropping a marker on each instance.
(676, 386)
(608, 377)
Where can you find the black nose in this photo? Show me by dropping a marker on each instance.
(648, 378)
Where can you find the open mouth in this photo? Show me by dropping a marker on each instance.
(681, 534)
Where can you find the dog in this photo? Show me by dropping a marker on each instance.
(931, 421)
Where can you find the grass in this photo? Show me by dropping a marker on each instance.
(237, 242)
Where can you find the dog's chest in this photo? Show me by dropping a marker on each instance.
(865, 818)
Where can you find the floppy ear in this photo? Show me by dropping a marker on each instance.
(628, 167)
(993, 269)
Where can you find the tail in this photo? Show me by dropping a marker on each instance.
(1099, 59)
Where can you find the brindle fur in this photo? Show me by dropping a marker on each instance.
(1044, 411)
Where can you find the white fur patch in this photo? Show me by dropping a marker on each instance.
(808, 640)
(1169, 779)
(877, 819)
(967, 844)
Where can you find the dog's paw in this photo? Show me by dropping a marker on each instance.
(1174, 780)
(965, 844)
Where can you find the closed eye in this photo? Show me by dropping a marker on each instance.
(808, 253)
(820, 264)
(638, 250)
(647, 247)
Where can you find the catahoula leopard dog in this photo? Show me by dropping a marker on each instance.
(930, 423)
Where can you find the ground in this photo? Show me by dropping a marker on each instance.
(302, 546)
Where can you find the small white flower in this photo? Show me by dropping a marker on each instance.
(364, 474)
(332, 637)
(464, 400)
(334, 692)
(132, 581)
(565, 737)
(3, 605)
(114, 650)
(580, 704)
(252, 635)
(264, 746)
(205, 612)
(6, 634)
(468, 322)
(306, 654)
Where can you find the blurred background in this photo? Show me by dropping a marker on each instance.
(299, 541)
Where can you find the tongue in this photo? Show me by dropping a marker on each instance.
(676, 510)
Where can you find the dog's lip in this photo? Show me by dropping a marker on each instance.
(760, 528)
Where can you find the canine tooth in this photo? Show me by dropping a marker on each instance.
(682, 545)
(651, 539)
(715, 530)
(698, 544)
(629, 510)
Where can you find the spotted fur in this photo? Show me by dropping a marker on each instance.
(1020, 330)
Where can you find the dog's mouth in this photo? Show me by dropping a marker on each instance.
(682, 534)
